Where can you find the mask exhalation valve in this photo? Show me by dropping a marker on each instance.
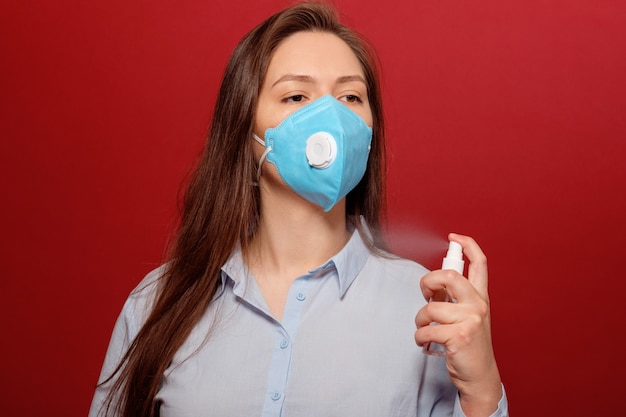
(321, 150)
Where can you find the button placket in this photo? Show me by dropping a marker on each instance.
(281, 359)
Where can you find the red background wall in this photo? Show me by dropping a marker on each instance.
(506, 122)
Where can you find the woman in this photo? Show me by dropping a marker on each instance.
(278, 297)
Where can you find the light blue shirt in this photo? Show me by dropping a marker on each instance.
(344, 347)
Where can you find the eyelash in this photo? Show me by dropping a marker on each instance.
(298, 98)
(351, 98)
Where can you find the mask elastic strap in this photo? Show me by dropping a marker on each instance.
(258, 139)
(262, 159)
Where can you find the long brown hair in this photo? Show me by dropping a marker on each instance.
(221, 205)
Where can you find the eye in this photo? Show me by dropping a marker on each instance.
(294, 99)
(351, 98)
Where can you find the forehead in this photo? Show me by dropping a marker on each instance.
(313, 53)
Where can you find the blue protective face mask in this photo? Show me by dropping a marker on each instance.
(320, 151)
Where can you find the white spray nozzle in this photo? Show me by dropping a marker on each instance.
(454, 258)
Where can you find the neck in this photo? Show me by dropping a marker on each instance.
(294, 237)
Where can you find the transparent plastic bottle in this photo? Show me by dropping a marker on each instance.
(454, 261)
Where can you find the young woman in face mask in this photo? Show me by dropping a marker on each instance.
(279, 298)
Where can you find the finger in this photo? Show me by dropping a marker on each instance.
(455, 284)
(477, 270)
(436, 282)
(438, 333)
(438, 312)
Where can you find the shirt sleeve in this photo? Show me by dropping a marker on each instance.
(502, 411)
(128, 324)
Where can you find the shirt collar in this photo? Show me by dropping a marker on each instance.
(348, 263)
(235, 269)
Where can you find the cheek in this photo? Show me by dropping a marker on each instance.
(266, 117)
(366, 115)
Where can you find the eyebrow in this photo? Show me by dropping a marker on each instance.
(350, 78)
(308, 79)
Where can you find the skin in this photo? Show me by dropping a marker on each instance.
(465, 330)
(295, 236)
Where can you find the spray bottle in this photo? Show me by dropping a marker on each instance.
(454, 261)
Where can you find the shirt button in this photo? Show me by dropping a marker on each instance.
(284, 343)
(276, 396)
(301, 296)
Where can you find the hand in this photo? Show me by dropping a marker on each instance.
(464, 329)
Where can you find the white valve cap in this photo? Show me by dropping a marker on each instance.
(321, 150)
